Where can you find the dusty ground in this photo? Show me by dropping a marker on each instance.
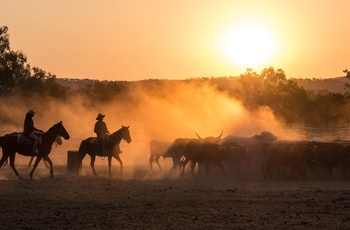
(135, 201)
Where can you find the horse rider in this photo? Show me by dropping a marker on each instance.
(101, 131)
(29, 130)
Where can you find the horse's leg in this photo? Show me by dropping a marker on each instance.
(30, 161)
(116, 156)
(47, 159)
(3, 160)
(37, 160)
(110, 165)
(79, 162)
(92, 164)
(47, 164)
(12, 164)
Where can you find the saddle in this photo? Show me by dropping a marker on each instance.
(95, 140)
(25, 140)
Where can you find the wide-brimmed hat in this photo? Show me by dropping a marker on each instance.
(100, 116)
(31, 112)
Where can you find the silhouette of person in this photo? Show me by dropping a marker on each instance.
(29, 130)
(101, 130)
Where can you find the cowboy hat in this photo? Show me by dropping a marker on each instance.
(31, 112)
(100, 116)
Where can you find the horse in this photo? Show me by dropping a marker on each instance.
(10, 147)
(94, 148)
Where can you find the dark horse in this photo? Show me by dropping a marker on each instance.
(93, 148)
(10, 147)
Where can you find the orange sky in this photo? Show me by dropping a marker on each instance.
(134, 40)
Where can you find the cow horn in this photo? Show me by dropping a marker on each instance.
(198, 135)
(221, 133)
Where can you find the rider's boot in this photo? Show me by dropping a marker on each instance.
(35, 150)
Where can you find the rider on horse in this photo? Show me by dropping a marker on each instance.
(29, 129)
(102, 132)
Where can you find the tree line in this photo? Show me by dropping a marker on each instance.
(290, 103)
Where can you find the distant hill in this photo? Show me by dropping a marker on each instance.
(336, 85)
(75, 84)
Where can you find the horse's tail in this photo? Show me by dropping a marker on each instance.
(84, 147)
(1, 138)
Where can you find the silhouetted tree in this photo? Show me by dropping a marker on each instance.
(13, 64)
(347, 72)
(106, 91)
(271, 88)
(16, 75)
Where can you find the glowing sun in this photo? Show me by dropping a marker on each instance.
(248, 44)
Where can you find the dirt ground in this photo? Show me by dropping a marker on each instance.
(141, 200)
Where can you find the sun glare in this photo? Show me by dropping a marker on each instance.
(248, 44)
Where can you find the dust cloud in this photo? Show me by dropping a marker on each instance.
(169, 111)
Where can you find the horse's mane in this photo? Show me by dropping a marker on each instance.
(117, 132)
(52, 127)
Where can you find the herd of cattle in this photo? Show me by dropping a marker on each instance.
(261, 156)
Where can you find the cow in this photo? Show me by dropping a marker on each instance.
(248, 142)
(333, 157)
(254, 146)
(177, 149)
(289, 159)
(211, 139)
(239, 156)
(157, 150)
(201, 152)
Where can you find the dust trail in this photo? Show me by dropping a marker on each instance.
(167, 112)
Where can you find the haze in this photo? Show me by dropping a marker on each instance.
(151, 115)
(133, 40)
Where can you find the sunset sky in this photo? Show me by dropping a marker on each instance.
(160, 39)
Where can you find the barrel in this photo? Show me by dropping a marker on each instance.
(72, 161)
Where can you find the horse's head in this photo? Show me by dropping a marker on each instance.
(61, 131)
(125, 133)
